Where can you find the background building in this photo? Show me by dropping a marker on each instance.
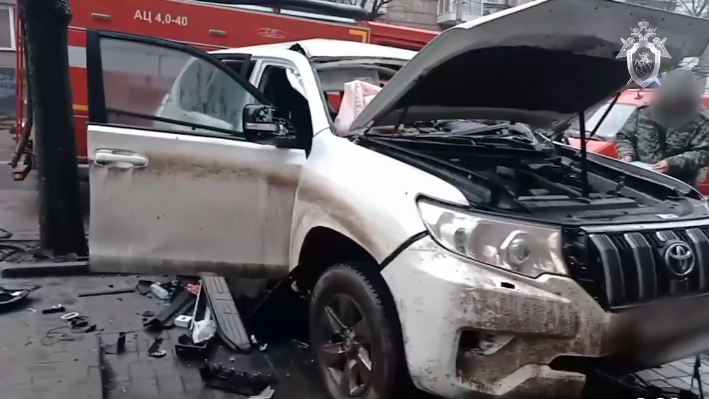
(452, 12)
(432, 14)
(7, 58)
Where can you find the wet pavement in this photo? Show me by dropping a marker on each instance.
(40, 357)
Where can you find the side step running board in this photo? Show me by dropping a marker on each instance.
(229, 325)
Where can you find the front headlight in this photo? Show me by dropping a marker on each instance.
(524, 248)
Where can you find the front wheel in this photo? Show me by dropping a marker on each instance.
(353, 336)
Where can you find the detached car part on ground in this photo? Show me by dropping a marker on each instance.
(467, 259)
(604, 141)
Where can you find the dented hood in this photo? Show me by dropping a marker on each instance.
(537, 63)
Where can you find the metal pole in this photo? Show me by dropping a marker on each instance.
(584, 163)
(60, 219)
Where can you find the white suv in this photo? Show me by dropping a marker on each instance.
(477, 258)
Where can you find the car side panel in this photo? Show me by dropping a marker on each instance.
(364, 195)
(200, 204)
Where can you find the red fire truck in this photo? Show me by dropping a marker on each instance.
(209, 26)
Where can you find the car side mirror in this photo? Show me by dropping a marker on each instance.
(262, 125)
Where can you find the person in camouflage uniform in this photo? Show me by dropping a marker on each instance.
(672, 133)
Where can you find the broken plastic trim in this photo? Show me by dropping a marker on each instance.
(183, 301)
(229, 380)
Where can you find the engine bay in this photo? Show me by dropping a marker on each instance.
(505, 167)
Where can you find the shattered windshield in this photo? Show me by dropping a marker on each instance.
(610, 126)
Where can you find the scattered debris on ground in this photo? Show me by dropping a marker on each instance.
(154, 350)
(113, 291)
(11, 297)
(119, 347)
(74, 325)
(239, 382)
(54, 309)
(187, 349)
(165, 317)
(183, 321)
(187, 306)
(161, 290)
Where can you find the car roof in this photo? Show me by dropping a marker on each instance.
(317, 48)
(642, 97)
(636, 97)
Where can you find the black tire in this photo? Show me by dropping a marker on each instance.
(385, 348)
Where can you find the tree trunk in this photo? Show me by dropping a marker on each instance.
(60, 220)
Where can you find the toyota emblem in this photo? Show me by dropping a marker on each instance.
(679, 259)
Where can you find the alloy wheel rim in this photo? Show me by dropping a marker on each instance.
(346, 353)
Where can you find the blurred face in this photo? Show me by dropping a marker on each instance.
(676, 105)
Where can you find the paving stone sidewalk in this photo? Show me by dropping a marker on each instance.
(679, 375)
(35, 363)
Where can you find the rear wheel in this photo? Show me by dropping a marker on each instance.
(353, 336)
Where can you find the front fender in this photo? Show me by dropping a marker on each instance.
(363, 195)
(378, 234)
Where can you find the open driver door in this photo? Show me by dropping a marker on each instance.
(176, 186)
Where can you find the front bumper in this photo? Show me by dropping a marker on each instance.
(519, 326)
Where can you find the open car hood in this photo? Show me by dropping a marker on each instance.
(538, 63)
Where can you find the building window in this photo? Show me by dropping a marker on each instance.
(445, 6)
(493, 6)
(466, 6)
(7, 28)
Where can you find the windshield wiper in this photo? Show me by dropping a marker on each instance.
(419, 132)
(501, 133)
(477, 133)
(478, 130)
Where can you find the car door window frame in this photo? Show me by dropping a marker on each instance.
(98, 112)
(265, 62)
(245, 58)
(259, 72)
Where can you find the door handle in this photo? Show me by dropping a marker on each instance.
(120, 159)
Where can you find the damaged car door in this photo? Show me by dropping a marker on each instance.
(186, 174)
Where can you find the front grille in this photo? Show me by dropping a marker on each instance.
(630, 268)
